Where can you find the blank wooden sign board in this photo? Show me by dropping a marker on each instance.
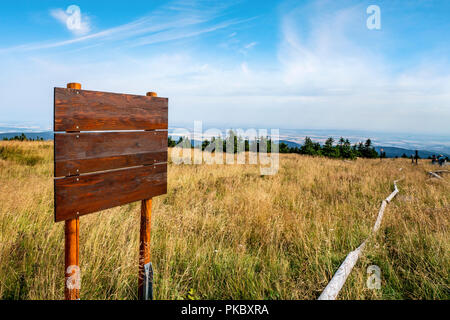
(110, 150)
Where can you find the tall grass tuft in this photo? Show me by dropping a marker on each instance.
(19, 155)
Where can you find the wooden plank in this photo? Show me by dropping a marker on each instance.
(78, 153)
(82, 110)
(69, 167)
(81, 195)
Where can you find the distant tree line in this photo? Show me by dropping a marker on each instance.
(341, 150)
(23, 137)
(237, 143)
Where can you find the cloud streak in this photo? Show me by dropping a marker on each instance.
(172, 22)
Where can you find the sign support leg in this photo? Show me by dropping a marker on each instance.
(145, 285)
(145, 266)
(72, 248)
(72, 263)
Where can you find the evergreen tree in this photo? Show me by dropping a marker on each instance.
(368, 151)
(171, 143)
(284, 148)
(308, 147)
(346, 150)
(328, 149)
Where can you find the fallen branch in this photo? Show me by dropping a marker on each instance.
(337, 282)
(434, 175)
(334, 287)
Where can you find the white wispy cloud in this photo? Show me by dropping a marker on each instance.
(244, 68)
(174, 21)
(63, 17)
(247, 47)
(348, 82)
(175, 34)
(250, 45)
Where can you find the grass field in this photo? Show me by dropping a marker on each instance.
(226, 232)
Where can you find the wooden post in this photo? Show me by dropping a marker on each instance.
(72, 264)
(72, 240)
(145, 285)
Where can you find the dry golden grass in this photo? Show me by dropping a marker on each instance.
(226, 232)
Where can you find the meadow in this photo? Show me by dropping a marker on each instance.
(226, 232)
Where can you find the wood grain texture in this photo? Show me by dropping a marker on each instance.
(81, 195)
(78, 153)
(82, 110)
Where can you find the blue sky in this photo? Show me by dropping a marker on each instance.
(273, 64)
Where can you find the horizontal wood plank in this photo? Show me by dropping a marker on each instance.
(82, 110)
(78, 153)
(81, 195)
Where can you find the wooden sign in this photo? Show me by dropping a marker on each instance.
(110, 150)
(113, 150)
